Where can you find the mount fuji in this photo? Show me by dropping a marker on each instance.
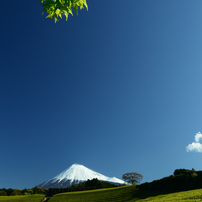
(76, 174)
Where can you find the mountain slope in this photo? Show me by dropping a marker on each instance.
(76, 174)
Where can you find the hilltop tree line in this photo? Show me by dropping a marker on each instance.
(181, 180)
(17, 192)
(88, 185)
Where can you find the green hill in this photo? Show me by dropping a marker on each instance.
(127, 193)
(111, 194)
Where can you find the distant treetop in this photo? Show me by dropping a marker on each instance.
(183, 171)
(58, 8)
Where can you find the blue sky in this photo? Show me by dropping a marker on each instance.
(116, 88)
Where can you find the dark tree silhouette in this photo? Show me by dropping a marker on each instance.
(132, 178)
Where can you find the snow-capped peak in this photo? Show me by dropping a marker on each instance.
(79, 172)
(75, 174)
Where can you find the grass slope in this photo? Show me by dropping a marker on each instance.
(188, 196)
(127, 193)
(26, 198)
(111, 194)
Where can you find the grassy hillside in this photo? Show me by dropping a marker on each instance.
(188, 196)
(111, 194)
(25, 198)
(127, 193)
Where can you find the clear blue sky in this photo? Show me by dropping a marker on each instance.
(116, 88)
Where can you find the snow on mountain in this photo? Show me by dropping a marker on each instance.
(76, 174)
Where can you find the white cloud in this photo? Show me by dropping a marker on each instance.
(198, 136)
(195, 146)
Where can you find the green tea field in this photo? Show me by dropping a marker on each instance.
(128, 193)
(26, 198)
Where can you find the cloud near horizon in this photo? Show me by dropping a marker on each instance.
(195, 146)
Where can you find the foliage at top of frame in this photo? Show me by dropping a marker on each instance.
(57, 8)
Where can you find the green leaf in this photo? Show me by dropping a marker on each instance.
(57, 11)
(76, 9)
(57, 8)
